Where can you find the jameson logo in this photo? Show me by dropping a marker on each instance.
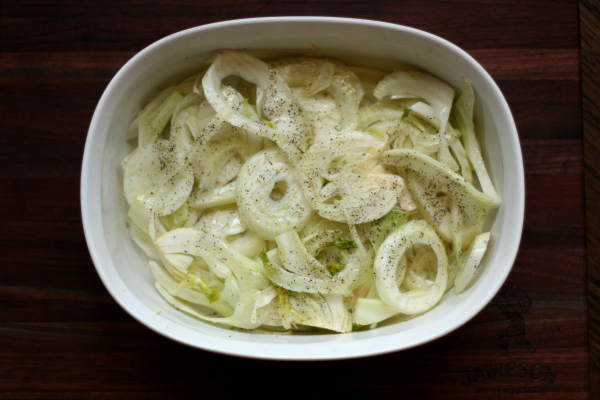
(510, 372)
(513, 303)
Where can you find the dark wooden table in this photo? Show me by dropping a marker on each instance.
(62, 335)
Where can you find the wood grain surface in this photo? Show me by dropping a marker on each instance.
(63, 337)
(590, 75)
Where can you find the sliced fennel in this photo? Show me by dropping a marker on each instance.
(269, 199)
(155, 117)
(472, 260)
(427, 178)
(387, 261)
(464, 117)
(329, 76)
(219, 196)
(371, 311)
(304, 194)
(343, 180)
(222, 163)
(158, 176)
(378, 231)
(244, 279)
(293, 267)
(286, 124)
(418, 84)
(314, 309)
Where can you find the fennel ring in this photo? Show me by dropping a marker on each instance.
(389, 256)
(269, 199)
